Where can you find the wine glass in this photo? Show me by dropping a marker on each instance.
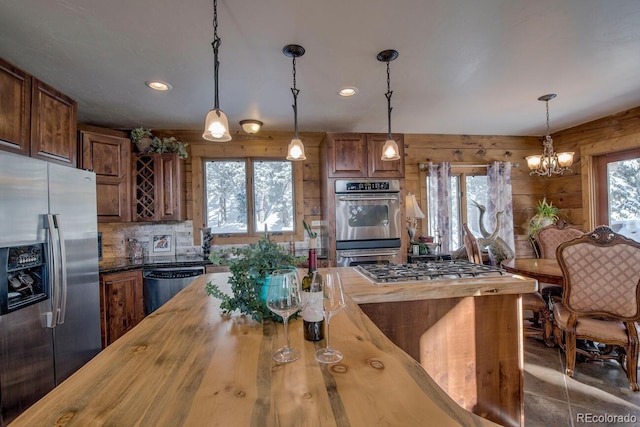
(284, 298)
(332, 302)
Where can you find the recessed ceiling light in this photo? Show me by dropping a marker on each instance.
(158, 85)
(348, 91)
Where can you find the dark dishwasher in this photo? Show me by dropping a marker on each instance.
(162, 284)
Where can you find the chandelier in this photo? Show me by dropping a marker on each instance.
(216, 125)
(390, 150)
(549, 162)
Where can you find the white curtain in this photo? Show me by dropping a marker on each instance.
(439, 203)
(500, 200)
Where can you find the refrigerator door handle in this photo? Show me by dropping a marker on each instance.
(63, 271)
(54, 277)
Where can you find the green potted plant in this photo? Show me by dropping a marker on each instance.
(147, 143)
(250, 268)
(142, 138)
(168, 145)
(546, 214)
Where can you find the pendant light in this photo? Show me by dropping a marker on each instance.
(390, 150)
(549, 162)
(216, 125)
(296, 149)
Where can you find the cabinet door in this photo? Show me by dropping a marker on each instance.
(108, 156)
(157, 190)
(53, 125)
(346, 155)
(377, 168)
(15, 109)
(121, 304)
(169, 181)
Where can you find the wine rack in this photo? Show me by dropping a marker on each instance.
(158, 195)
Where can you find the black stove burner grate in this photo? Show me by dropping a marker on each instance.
(427, 270)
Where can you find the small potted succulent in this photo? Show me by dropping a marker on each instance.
(251, 267)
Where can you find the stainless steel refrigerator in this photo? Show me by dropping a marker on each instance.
(49, 296)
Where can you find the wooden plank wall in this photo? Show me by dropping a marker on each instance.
(264, 144)
(617, 132)
(612, 133)
(423, 148)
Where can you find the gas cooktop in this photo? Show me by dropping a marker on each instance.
(426, 271)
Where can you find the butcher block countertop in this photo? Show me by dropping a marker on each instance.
(187, 365)
(362, 291)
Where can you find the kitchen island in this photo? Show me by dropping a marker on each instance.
(186, 364)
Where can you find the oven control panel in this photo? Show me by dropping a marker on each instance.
(367, 186)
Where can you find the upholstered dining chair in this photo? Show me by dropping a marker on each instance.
(546, 241)
(601, 299)
(471, 245)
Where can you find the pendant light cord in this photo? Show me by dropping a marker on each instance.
(295, 93)
(215, 45)
(388, 95)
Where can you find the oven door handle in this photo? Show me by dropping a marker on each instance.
(357, 199)
(352, 254)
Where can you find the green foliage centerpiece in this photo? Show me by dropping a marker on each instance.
(250, 268)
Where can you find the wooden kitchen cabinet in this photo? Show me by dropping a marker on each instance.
(157, 187)
(15, 109)
(108, 155)
(121, 304)
(358, 155)
(35, 119)
(376, 167)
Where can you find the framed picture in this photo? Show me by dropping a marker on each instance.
(162, 244)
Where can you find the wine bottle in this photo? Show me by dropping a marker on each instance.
(312, 318)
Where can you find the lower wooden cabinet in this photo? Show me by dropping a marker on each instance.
(121, 303)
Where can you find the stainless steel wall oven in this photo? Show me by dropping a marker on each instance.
(368, 221)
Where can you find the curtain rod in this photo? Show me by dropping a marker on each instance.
(423, 166)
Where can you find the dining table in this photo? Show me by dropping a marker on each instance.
(545, 270)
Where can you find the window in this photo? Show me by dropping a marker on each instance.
(466, 187)
(249, 196)
(618, 192)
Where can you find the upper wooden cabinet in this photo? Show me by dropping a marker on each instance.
(358, 155)
(377, 168)
(54, 118)
(157, 188)
(15, 109)
(109, 157)
(35, 119)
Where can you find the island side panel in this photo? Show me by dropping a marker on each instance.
(471, 346)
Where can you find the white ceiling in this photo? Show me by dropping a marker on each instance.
(464, 66)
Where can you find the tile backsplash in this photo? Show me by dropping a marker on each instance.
(115, 237)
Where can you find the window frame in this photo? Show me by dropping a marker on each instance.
(251, 236)
(601, 184)
(458, 171)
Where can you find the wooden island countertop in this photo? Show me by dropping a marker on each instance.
(187, 365)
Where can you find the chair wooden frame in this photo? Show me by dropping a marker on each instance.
(611, 322)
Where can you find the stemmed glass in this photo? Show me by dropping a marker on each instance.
(332, 302)
(284, 298)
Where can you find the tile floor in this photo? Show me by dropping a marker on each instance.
(597, 390)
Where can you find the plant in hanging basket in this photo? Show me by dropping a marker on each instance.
(250, 267)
